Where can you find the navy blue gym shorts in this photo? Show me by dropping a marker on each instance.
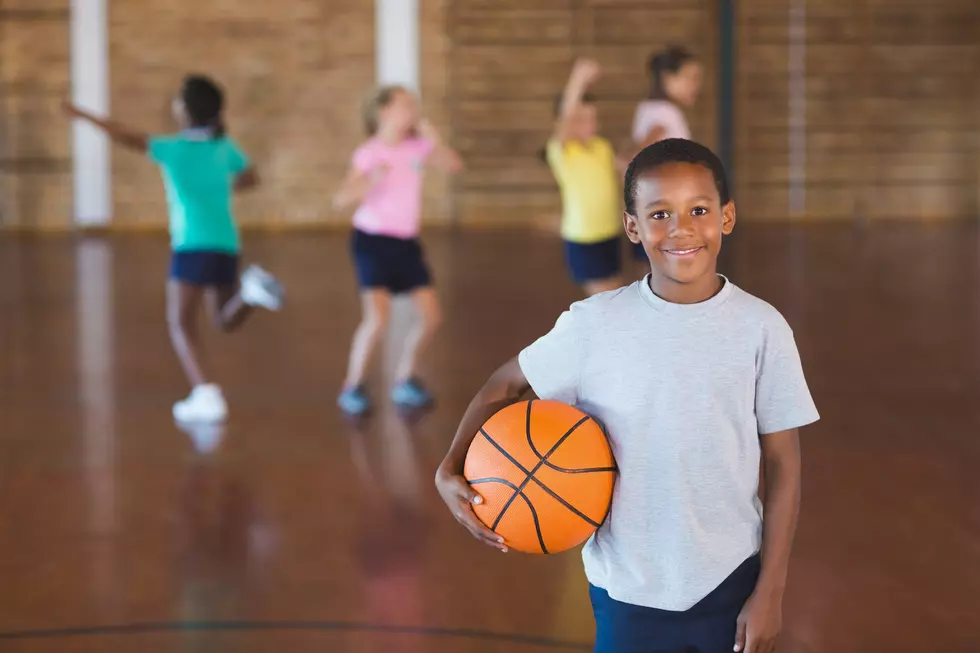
(708, 627)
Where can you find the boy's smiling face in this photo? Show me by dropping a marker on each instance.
(680, 221)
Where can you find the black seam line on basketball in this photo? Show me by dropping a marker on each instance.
(540, 464)
(548, 463)
(142, 628)
(584, 470)
(572, 508)
(543, 460)
(540, 483)
(504, 452)
(534, 513)
(556, 468)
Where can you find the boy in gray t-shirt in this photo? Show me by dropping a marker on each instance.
(695, 381)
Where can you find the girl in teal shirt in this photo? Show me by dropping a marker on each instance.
(202, 168)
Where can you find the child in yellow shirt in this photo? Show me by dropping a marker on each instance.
(589, 177)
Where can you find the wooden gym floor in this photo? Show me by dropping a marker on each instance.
(298, 532)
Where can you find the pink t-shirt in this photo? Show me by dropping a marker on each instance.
(393, 206)
(659, 113)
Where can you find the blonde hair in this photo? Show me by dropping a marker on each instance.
(377, 100)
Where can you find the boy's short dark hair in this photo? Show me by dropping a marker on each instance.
(587, 98)
(673, 150)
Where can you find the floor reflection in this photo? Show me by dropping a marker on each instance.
(392, 531)
(223, 539)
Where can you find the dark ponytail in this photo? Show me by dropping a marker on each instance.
(204, 102)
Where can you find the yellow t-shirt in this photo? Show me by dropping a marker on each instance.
(590, 188)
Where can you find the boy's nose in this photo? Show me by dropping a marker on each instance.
(680, 223)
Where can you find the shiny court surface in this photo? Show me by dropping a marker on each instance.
(291, 529)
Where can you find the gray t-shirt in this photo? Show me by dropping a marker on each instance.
(685, 392)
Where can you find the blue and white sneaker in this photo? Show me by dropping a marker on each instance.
(411, 394)
(354, 401)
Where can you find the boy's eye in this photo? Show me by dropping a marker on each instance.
(660, 215)
(699, 210)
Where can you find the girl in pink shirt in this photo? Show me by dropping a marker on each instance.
(385, 180)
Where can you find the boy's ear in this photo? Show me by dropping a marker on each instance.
(632, 232)
(728, 218)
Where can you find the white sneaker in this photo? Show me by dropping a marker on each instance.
(205, 404)
(259, 288)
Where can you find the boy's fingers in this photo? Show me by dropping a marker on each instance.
(740, 637)
(464, 515)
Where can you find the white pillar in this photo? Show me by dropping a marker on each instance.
(90, 91)
(396, 42)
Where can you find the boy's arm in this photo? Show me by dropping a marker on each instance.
(584, 72)
(443, 157)
(506, 386)
(761, 618)
(120, 134)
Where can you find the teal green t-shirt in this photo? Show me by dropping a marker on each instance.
(199, 174)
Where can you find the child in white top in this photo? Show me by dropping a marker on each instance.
(675, 83)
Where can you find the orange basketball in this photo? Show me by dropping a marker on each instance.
(545, 472)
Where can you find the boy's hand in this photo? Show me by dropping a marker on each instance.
(759, 624)
(460, 497)
(586, 70)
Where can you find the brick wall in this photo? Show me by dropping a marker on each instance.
(892, 109)
(35, 176)
(893, 102)
(435, 43)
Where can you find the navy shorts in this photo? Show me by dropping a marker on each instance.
(394, 264)
(204, 268)
(708, 627)
(593, 261)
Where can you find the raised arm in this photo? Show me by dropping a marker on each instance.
(584, 73)
(504, 387)
(128, 138)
